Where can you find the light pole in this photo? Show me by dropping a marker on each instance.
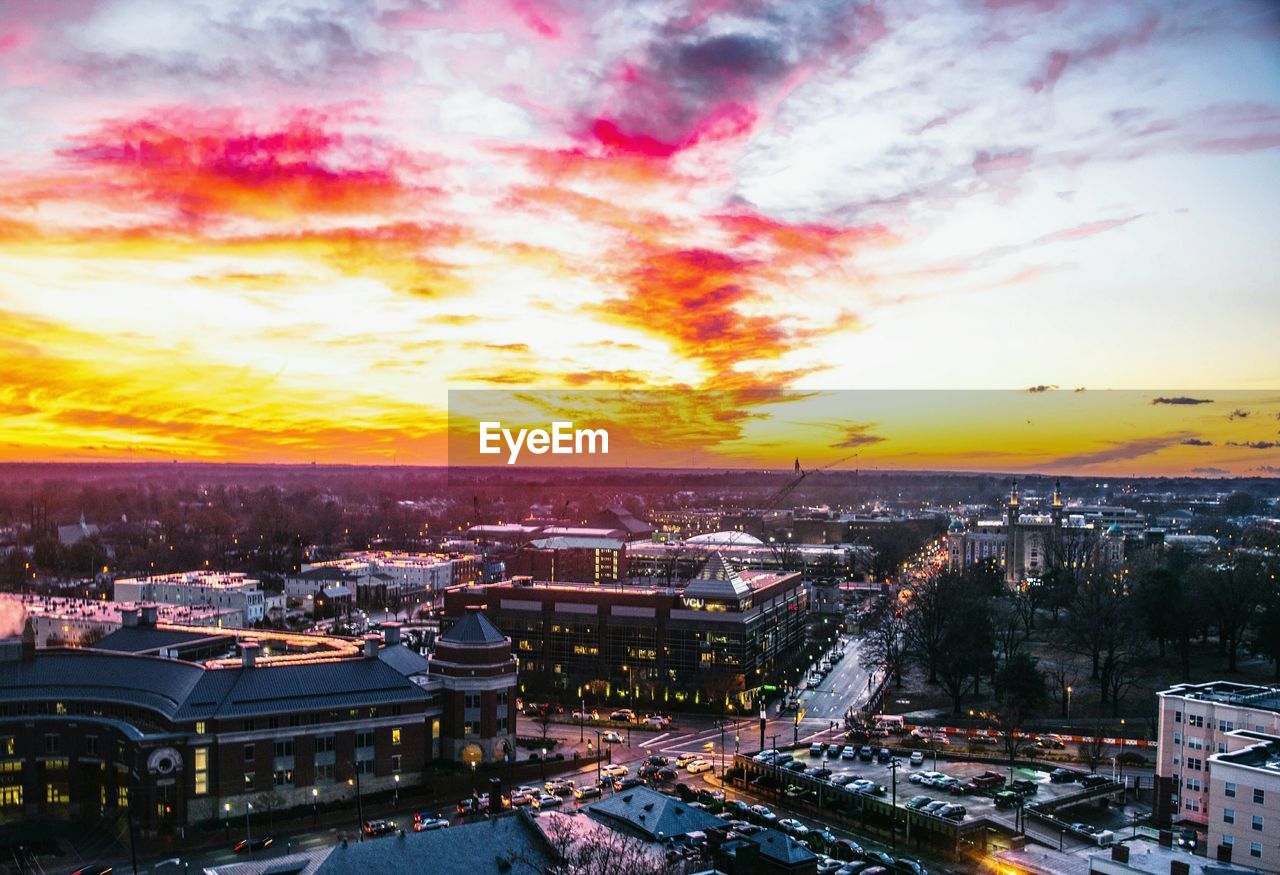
(544, 764)
(893, 826)
(248, 837)
(1068, 703)
(226, 818)
(582, 718)
(396, 797)
(315, 806)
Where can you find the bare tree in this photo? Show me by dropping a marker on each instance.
(1064, 675)
(1233, 592)
(886, 647)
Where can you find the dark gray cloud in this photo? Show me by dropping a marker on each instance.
(1238, 414)
(1196, 442)
(859, 436)
(1035, 390)
(1254, 445)
(1212, 472)
(1181, 399)
(1118, 451)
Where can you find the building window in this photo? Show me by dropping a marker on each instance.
(1228, 815)
(248, 753)
(325, 743)
(122, 797)
(57, 794)
(1229, 790)
(468, 728)
(200, 765)
(395, 735)
(1255, 849)
(1257, 822)
(52, 743)
(91, 745)
(11, 797)
(1228, 840)
(8, 745)
(282, 777)
(435, 730)
(284, 748)
(364, 739)
(200, 727)
(1177, 716)
(395, 763)
(249, 779)
(1259, 796)
(364, 767)
(324, 773)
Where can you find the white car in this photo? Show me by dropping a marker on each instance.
(612, 737)
(615, 770)
(685, 758)
(658, 720)
(795, 827)
(698, 766)
(586, 715)
(546, 800)
(764, 813)
(917, 758)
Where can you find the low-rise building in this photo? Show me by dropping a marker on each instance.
(231, 590)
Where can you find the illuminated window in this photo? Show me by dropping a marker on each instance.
(56, 794)
(395, 735)
(11, 797)
(435, 730)
(200, 727)
(200, 763)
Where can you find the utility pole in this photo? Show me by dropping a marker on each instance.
(248, 836)
(893, 827)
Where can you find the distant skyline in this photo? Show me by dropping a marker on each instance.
(243, 230)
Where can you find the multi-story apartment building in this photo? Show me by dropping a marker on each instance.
(1244, 800)
(379, 577)
(573, 560)
(1196, 722)
(218, 589)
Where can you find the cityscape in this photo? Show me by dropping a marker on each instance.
(639, 437)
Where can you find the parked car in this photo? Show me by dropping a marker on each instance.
(611, 737)
(762, 812)
(793, 827)
(884, 755)
(816, 749)
(1025, 787)
(910, 867)
(794, 766)
(430, 824)
(659, 720)
(1050, 742)
(627, 783)
(983, 739)
(917, 758)
(1063, 776)
(624, 715)
(593, 714)
(259, 844)
(987, 780)
(545, 800)
(1091, 781)
(841, 780)
(833, 749)
(586, 792)
(1006, 799)
(934, 807)
(953, 812)
(848, 753)
(615, 770)
(657, 760)
(866, 754)
(699, 765)
(916, 802)
(819, 773)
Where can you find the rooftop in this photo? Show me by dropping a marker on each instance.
(206, 579)
(474, 628)
(563, 542)
(1262, 753)
(1263, 698)
(655, 815)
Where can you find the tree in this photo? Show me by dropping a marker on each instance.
(886, 647)
(1020, 683)
(1233, 592)
(1266, 629)
(1165, 597)
(1064, 674)
(592, 849)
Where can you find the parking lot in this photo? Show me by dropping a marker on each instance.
(976, 804)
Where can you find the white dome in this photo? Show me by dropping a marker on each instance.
(727, 539)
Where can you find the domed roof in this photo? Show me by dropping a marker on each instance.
(1115, 529)
(956, 526)
(727, 539)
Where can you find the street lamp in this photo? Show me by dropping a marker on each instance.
(1068, 703)
(315, 806)
(248, 837)
(226, 818)
(396, 797)
(544, 764)
(582, 717)
(893, 770)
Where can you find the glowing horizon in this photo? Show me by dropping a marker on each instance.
(246, 231)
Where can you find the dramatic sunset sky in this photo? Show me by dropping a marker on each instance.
(281, 230)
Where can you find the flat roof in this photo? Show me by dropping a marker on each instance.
(202, 578)
(1263, 698)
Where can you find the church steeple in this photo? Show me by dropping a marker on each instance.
(1013, 495)
(1057, 494)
